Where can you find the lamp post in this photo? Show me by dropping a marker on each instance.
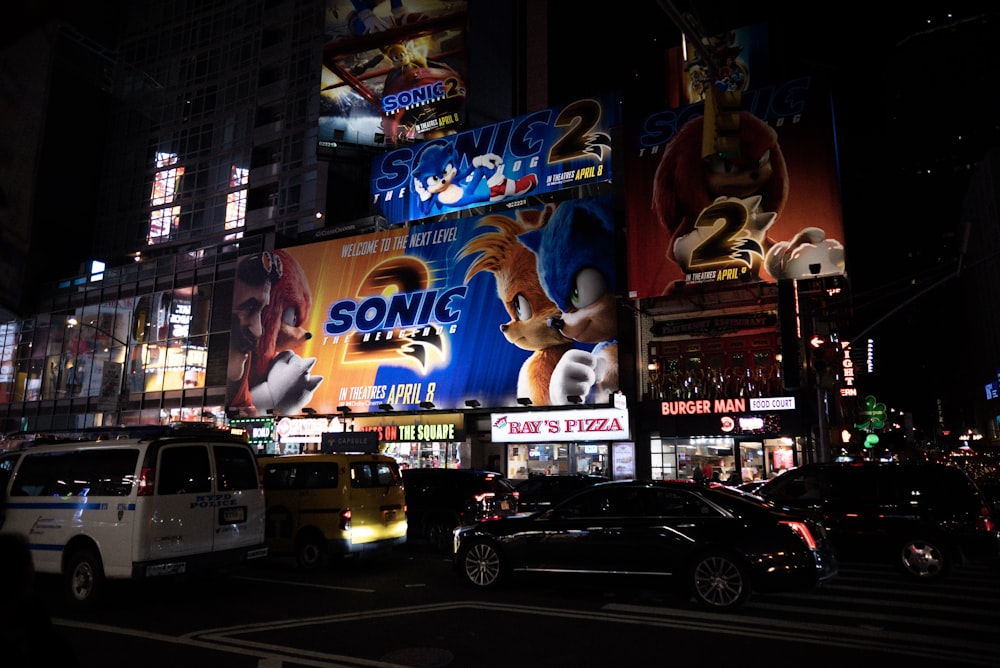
(122, 389)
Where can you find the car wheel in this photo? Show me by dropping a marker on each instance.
(923, 560)
(310, 551)
(441, 535)
(481, 564)
(84, 577)
(719, 580)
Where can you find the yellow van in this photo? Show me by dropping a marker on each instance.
(320, 506)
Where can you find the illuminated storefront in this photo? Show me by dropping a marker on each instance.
(745, 439)
(556, 442)
(421, 440)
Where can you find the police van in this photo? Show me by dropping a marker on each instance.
(337, 504)
(135, 508)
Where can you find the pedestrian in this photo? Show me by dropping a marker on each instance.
(27, 634)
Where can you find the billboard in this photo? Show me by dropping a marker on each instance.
(741, 60)
(771, 212)
(393, 73)
(493, 166)
(494, 308)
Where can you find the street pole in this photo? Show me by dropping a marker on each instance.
(123, 390)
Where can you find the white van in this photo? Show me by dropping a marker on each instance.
(333, 505)
(134, 508)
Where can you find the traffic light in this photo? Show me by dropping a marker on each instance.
(721, 131)
(823, 358)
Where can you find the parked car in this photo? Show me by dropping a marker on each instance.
(922, 518)
(332, 505)
(751, 486)
(541, 491)
(718, 543)
(440, 499)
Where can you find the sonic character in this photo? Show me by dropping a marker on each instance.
(515, 269)
(576, 266)
(441, 183)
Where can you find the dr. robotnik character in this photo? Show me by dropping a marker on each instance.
(441, 182)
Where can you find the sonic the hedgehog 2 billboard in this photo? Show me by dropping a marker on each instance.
(767, 211)
(503, 306)
(498, 166)
(393, 72)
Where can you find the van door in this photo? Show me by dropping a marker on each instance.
(238, 502)
(182, 519)
(377, 504)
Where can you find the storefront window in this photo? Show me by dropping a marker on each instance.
(663, 455)
(425, 455)
(779, 456)
(698, 458)
(752, 461)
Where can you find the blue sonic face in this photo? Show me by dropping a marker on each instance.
(576, 268)
(436, 169)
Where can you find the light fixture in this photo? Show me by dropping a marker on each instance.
(472, 403)
(574, 399)
(343, 409)
(427, 404)
(385, 407)
(524, 401)
(309, 411)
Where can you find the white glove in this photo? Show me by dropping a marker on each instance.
(575, 373)
(713, 227)
(371, 22)
(490, 160)
(288, 387)
(808, 253)
(422, 192)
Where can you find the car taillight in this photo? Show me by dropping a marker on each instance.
(146, 478)
(802, 531)
(345, 520)
(985, 521)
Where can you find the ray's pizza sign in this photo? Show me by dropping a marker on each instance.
(583, 425)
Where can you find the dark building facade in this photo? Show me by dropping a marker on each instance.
(215, 151)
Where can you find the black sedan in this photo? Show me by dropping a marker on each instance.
(541, 491)
(717, 542)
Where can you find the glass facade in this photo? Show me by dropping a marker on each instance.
(723, 457)
(142, 344)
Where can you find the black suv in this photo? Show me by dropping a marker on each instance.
(438, 500)
(539, 492)
(922, 518)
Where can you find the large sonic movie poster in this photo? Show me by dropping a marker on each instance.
(518, 304)
(496, 166)
(768, 213)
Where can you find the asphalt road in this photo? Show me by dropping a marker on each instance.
(411, 610)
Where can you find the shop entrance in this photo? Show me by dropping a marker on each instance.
(531, 459)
